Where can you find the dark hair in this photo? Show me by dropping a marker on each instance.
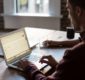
(80, 3)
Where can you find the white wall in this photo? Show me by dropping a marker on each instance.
(9, 6)
(22, 21)
(17, 22)
(54, 7)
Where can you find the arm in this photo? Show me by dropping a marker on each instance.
(63, 70)
(67, 43)
(33, 72)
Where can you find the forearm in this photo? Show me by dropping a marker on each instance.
(67, 43)
(39, 76)
(35, 74)
(70, 43)
(43, 77)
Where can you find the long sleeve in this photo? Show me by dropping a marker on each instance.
(59, 74)
(71, 67)
(60, 71)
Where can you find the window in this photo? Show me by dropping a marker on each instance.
(32, 6)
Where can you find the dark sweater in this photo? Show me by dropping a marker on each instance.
(71, 67)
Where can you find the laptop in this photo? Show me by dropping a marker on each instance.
(15, 46)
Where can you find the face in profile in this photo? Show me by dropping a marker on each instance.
(72, 15)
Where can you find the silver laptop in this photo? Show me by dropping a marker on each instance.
(15, 46)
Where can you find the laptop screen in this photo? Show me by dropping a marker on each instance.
(14, 45)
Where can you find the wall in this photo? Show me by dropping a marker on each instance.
(1, 18)
(14, 21)
(40, 22)
(64, 21)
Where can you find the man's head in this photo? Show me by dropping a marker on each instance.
(76, 9)
(80, 3)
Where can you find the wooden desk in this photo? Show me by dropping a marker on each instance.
(11, 74)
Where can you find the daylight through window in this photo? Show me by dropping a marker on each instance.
(32, 6)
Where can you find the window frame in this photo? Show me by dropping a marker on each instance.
(10, 10)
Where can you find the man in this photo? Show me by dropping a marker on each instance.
(72, 66)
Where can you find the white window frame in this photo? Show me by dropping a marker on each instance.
(54, 10)
(15, 20)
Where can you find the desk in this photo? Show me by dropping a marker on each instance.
(11, 74)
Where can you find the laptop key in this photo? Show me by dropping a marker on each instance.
(16, 64)
(35, 59)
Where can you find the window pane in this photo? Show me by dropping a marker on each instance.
(33, 6)
(41, 6)
(22, 5)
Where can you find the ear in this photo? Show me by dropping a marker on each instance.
(78, 11)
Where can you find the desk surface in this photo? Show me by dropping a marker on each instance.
(36, 35)
(11, 74)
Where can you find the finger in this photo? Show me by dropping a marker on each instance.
(45, 61)
(44, 57)
(23, 62)
(46, 43)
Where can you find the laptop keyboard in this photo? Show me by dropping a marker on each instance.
(34, 59)
(16, 63)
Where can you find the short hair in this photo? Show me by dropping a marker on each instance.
(80, 3)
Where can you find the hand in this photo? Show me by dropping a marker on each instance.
(28, 67)
(49, 60)
(25, 64)
(49, 43)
